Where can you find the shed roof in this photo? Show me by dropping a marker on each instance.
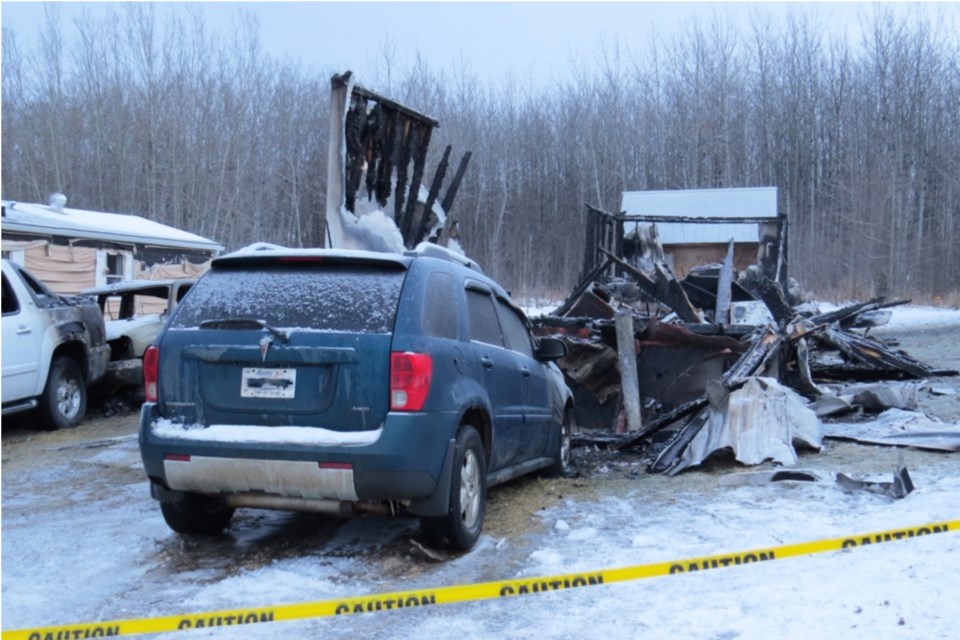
(38, 219)
(750, 202)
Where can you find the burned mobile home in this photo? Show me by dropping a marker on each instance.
(731, 355)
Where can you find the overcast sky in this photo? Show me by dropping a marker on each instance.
(535, 40)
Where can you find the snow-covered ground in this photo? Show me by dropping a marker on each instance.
(82, 541)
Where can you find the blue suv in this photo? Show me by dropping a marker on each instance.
(348, 382)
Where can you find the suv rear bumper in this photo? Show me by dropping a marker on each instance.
(406, 460)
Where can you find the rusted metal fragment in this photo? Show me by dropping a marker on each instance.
(676, 364)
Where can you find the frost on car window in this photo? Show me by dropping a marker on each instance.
(327, 298)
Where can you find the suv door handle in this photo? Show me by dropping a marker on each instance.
(23, 329)
(486, 362)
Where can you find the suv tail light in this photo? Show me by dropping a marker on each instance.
(410, 376)
(151, 360)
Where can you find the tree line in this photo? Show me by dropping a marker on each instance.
(149, 113)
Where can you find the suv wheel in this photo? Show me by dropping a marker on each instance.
(195, 514)
(461, 527)
(561, 460)
(64, 399)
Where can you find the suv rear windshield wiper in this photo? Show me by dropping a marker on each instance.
(245, 323)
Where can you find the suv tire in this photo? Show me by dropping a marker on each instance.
(561, 460)
(64, 399)
(461, 527)
(194, 514)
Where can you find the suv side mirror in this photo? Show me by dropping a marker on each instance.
(551, 349)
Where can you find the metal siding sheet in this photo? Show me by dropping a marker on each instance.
(703, 203)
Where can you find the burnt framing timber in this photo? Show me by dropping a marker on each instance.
(386, 146)
(604, 233)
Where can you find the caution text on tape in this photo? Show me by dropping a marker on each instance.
(463, 593)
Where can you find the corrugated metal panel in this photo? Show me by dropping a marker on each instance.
(703, 203)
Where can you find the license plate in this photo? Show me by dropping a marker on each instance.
(268, 383)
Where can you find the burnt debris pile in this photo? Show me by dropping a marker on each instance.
(724, 358)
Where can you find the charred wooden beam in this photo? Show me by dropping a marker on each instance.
(771, 253)
(665, 289)
(589, 279)
(807, 385)
(662, 421)
(388, 143)
(627, 361)
(867, 351)
(394, 105)
(403, 162)
(374, 134)
(697, 219)
(849, 311)
(420, 139)
(451, 195)
(433, 193)
(771, 293)
(721, 314)
(355, 150)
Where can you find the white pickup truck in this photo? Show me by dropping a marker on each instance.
(54, 346)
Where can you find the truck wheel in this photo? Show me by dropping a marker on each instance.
(461, 527)
(195, 514)
(64, 399)
(561, 460)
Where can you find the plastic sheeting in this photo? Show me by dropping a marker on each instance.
(64, 269)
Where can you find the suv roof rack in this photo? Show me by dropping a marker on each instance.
(432, 250)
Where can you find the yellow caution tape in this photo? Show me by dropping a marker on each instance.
(462, 593)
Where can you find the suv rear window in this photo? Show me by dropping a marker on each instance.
(348, 298)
